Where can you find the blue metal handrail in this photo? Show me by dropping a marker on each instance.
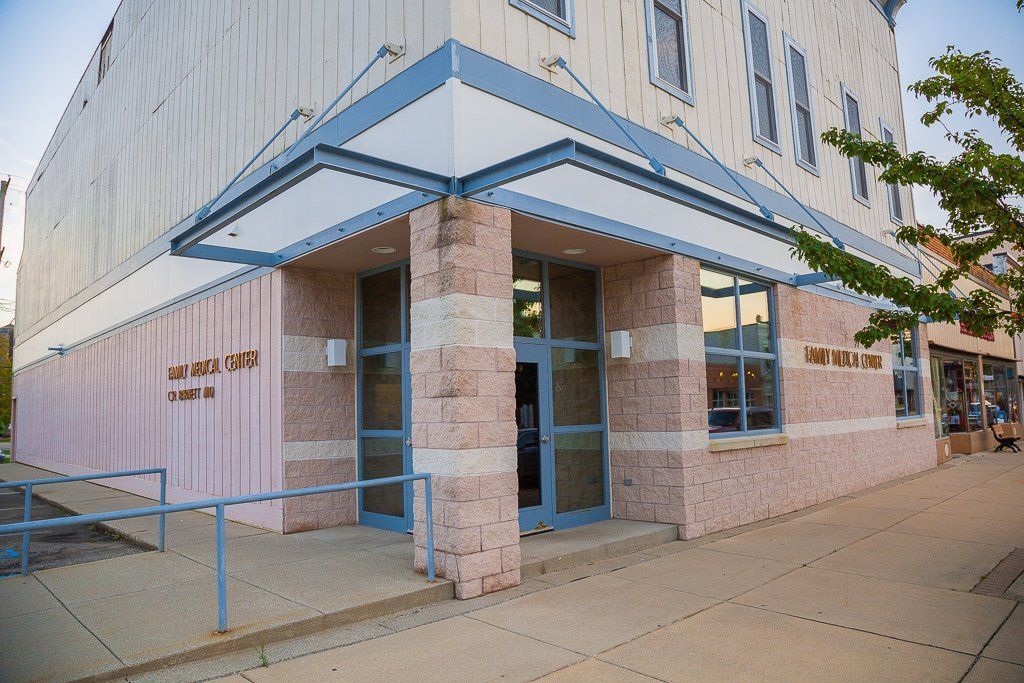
(559, 61)
(28, 484)
(219, 504)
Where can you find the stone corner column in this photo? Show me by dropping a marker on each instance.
(657, 407)
(463, 393)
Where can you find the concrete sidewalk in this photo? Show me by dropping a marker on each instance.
(137, 613)
(148, 609)
(916, 581)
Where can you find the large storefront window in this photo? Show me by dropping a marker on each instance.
(1000, 393)
(739, 343)
(905, 374)
(957, 402)
(938, 392)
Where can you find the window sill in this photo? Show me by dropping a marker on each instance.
(567, 26)
(813, 170)
(908, 422)
(768, 144)
(739, 442)
(672, 90)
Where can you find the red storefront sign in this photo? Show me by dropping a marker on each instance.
(988, 336)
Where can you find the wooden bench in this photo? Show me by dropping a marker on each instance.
(1007, 435)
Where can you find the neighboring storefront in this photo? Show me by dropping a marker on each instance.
(975, 382)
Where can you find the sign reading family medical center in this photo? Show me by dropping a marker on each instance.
(241, 360)
(842, 358)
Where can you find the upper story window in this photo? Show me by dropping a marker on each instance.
(740, 353)
(905, 374)
(893, 190)
(558, 14)
(104, 61)
(762, 82)
(668, 47)
(858, 169)
(803, 113)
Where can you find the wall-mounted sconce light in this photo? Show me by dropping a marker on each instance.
(59, 348)
(337, 353)
(622, 344)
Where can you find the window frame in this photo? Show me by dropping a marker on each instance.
(404, 347)
(103, 59)
(742, 354)
(909, 372)
(847, 93)
(748, 9)
(566, 24)
(892, 190)
(687, 95)
(790, 44)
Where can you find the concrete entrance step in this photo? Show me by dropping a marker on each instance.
(563, 549)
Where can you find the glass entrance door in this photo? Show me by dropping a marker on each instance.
(560, 408)
(384, 397)
(533, 444)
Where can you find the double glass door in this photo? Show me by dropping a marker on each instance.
(560, 404)
(560, 414)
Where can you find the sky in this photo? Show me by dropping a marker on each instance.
(45, 45)
(923, 30)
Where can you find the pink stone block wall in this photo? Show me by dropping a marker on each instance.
(841, 423)
(318, 402)
(463, 412)
(657, 395)
(104, 406)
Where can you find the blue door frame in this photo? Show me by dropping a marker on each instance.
(539, 351)
(396, 523)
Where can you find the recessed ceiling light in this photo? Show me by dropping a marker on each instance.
(576, 251)
(383, 250)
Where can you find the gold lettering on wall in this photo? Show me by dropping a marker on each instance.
(240, 360)
(842, 358)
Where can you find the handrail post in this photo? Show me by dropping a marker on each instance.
(162, 524)
(429, 520)
(27, 517)
(222, 575)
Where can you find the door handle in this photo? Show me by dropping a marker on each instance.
(545, 439)
(408, 441)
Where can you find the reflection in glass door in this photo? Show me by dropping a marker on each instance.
(562, 447)
(384, 394)
(533, 444)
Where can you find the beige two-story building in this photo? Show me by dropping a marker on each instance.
(540, 249)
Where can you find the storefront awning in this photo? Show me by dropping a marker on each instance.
(580, 185)
(322, 195)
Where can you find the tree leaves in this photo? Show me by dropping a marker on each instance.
(979, 188)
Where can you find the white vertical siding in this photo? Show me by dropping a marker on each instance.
(194, 89)
(847, 41)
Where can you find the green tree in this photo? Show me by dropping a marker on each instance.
(5, 383)
(979, 188)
